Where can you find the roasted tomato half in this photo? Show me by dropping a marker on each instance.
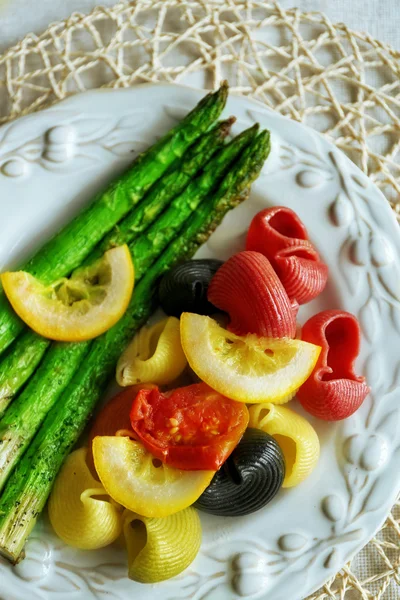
(190, 428)
(114, 417)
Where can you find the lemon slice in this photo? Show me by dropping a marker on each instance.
(142, 483)
(249, 368)
(80, 308)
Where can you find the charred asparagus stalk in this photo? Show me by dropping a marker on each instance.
(28, 350)
(30, 484)
(69, 248)
(23, 418)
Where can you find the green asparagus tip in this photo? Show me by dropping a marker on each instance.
(222, 128)
(249, 134)
(266, 134)
(264, 139)
(255, 128)
(223, 92)
(225, 126)
(220, 95)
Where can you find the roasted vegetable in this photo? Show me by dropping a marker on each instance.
(250, 478)
(30, 484)
(191, 428)
(187, 202)
(28, 350)
(68, 249)
(17, 366)
(16, 434)
(184, 288)
(172, 184)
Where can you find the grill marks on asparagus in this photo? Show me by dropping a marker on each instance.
(70, 247)
(30, 484)
(28, 350)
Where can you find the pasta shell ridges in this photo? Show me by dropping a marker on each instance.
(79, 519)
(169, 546)
(248, 289)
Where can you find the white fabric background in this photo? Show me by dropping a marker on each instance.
(380, 18)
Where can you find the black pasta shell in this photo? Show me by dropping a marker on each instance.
(184, 288)
(248, 480)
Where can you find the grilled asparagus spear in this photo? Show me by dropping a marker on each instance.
(21, 421)
(29, 486)
(27, 351)
(68, 249)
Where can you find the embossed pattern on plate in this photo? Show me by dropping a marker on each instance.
(51, 163)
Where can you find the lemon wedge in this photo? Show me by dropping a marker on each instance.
(79, 308)
(247, 368)
(142, 483)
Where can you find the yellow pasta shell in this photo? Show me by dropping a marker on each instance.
(297, 438)
(155, 355)
(78, 518)
(159, 549)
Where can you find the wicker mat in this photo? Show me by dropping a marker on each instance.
(340, 82)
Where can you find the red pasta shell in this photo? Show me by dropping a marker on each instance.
(301, 272)
(280, 235)
(274, 229)
(249, 290)
(333, 390)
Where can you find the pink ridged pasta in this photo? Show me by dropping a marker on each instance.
(333, 391)
(280, 235)
(301, 272)
(248, 289)
(274, 229)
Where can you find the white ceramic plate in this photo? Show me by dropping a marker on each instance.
(51, 164)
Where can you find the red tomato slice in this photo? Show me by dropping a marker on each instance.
(190, 428)
(114, 417)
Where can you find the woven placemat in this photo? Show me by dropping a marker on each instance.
(340, 82)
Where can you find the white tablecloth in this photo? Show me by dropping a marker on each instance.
(380, 18)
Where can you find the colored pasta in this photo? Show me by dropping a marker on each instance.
(247, 288)
(275, 229)
(333, 391)
(301, 272)
(155, 355)
(78, 518)
(279, 234)
(184, 288)
(159, 549)
(296, 437)
(250, 478)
